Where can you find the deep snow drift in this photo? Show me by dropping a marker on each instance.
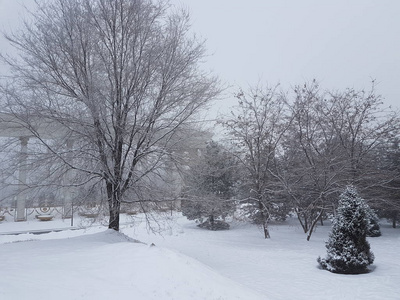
(186, 263)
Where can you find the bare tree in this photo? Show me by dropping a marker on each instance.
(333, 141)
(256, 130)
(309, 166)
(119, 78)
(384, 195)
(361, 125)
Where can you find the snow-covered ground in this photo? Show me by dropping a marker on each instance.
(186, 263)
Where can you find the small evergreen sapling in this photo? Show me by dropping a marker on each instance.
(210, 183)
(348, 251)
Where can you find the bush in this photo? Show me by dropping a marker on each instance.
(215, 225)
(348, 251)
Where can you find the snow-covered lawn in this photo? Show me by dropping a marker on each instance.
(186, 263)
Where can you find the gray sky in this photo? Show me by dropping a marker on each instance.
(341, 43)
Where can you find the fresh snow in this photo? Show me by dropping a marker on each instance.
(186, 263)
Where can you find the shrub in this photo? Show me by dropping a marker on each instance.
(348, 251)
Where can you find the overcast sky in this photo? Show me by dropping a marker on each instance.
(341, 43)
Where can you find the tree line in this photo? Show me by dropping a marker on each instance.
(295, 152)
(119, 83)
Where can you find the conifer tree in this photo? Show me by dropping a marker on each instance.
(209, 187)
(348, 251)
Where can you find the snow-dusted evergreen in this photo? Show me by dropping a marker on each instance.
(348, 251)
(209, 187)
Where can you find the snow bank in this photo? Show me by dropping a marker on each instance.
(107, 265)
(188, 263)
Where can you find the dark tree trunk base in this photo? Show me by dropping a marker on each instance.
(114, 222)
(266, 231)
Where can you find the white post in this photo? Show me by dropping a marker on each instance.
(22, 175)
(68, 176)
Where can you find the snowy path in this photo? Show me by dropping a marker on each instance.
(285, 266)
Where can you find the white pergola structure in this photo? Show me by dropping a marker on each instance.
(11, 126)
(15, 127)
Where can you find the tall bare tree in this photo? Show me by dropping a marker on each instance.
(310, 170)
(257, 129)
(118, 78)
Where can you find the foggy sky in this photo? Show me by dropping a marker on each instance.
(341, 43)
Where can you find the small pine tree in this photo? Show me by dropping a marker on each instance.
(348, 251)
(210, 183)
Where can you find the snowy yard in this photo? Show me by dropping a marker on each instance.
(186, 263)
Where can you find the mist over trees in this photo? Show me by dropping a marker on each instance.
(118, 79)
(116, 87)
(301, 148)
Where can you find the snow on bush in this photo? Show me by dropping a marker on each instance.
(348, 251)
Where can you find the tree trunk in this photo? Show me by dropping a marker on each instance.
(211, 219)
(306, 215)
(303, 225)
(264, 220)
(396, 215)
(314, 223)
(266, 231)
(114, 205)
(114, 218)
